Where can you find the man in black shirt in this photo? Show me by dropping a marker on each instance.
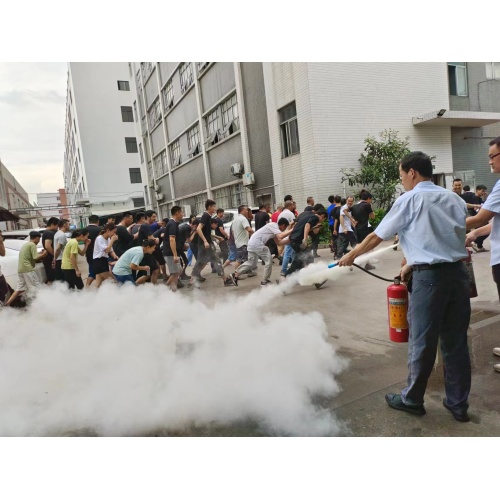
(362, 212)
(220, 232)
(206, 250)
(94, 229)
(262, 216)
(307, 223)
(125, 239)
(476, 200)
(173, 247)
(48, 245)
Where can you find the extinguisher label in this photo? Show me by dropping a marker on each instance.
(397, 313)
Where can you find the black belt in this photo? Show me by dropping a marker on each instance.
(425, 267)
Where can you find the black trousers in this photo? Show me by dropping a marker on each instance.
(343, 243)
(362, 233)
(496, 277)
(72, 279)
(301, 259)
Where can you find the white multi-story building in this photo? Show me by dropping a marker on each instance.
(53, 204)
(319, 115)
(102, 171)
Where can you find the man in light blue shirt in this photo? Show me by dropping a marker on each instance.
(130, 261)
(490, 211)
(430, 222)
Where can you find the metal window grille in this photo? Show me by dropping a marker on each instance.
(175, 153)
(168, 95)
(186, 76)
(194, 141)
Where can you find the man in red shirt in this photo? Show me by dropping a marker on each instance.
(276, 215)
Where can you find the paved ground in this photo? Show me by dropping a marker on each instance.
(355, 310)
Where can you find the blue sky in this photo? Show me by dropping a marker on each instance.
(32, 114)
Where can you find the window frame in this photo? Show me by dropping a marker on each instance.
(127, 85)
(463, 69)
(186, 76)
(128, 142)
(175, 153)
(194, 142)
(286, 125)
(135, 175)
(168, 96)
(127, 112)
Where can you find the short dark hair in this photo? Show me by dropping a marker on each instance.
(127, 214)
(318, 206)
(148, 243)
(288, 197)
(110, 226)
(52, 221)
(175, 209)
(457, 180)
(165, 220)
(93, 219)
(343, 201)
(139, 216)
(62, 222)
(495, 142)
(331, 198)
(209, 203)
(241, 208)
(467, 188)
(220, 210)
(309, 199)
(321, 211)
(35, 234)
(283, 222)
(149, 213)
(418, 161)
(262, 205)
(338, 199)
(366, 195)
(79, 232)
(481, 186)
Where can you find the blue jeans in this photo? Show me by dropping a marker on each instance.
(189, 256)
(124, 279)
(439, 310)
(288, 256)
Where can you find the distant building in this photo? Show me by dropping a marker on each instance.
(15, 199)
(102, 171)
(54, 204)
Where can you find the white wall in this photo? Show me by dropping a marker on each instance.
(339, 105)
(101, 133)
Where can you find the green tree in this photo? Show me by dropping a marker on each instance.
(380, 167)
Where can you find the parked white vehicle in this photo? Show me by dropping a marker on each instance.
(230, 214)
(9, 263)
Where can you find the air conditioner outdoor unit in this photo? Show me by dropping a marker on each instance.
(248, 179)
(159, 196)
(237, 169)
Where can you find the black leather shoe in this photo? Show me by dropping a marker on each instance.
(395, 401)
(459, 417)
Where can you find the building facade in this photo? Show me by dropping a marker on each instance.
(203, 134)
(102, 172)
(320, 113)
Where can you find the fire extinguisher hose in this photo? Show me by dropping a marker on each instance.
(376, 275)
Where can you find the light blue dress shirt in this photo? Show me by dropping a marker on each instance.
(430, 223)
(492, 204)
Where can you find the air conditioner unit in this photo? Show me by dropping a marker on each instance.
(237, 169)
(159, 196)
(248, 179)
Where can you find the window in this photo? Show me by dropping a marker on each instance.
(492, 71)
(131, 144)
(157, 166)
(160, 164)
(457, 78)
(127, 115)
(238, 195)
(147, 69)
(230, 120)
(135, 110)
(138, 202)
(135, 175)
(154, 114)
(194, 141)
(212, 121)
(123, 85)
(168, 95)
(222, 197)
(163, 156)
(141, 153)
(289, 130)
(186, 75)
(199, 203)
(175, 153)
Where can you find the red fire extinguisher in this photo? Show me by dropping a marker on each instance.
(397, 304)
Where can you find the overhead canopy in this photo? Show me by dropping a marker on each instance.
(456, 119)
(5, 215)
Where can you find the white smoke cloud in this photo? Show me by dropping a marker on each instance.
(130, 361)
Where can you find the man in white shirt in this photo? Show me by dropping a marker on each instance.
(257, 249)
(241, 231)
(490, 211)
(346, 233)
(60, 241)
